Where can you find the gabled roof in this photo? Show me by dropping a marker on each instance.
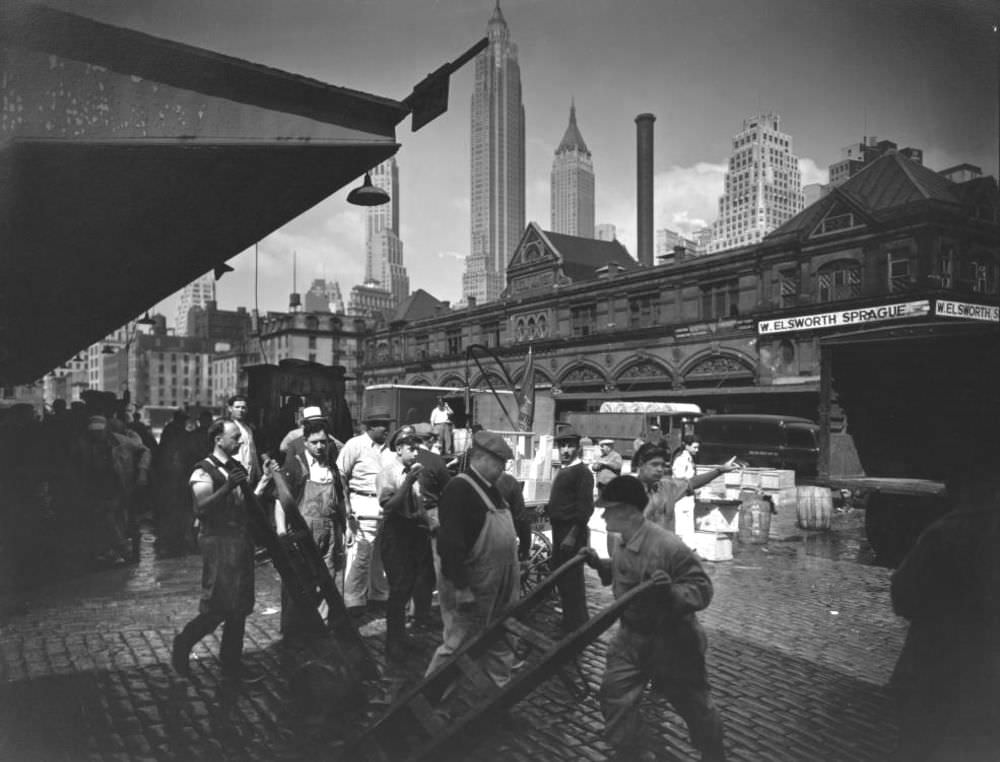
(572, 139)
(582, 256)
(888, 184)
(416, 306)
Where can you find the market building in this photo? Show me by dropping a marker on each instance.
(896, 252)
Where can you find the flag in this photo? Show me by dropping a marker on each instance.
(526, 411)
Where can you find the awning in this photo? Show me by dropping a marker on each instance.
(130, 165)
(810, 387)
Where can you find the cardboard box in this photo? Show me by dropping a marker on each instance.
(536, 490)
(716, 517)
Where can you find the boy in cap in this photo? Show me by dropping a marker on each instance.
(659, 637)
(477, 546)
(571, 504)
(609, 465)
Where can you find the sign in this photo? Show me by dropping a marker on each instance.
(987, 312)
(841, 318)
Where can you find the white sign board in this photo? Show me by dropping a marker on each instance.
(988, 312)
(840, 318)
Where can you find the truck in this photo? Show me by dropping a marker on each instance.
(627, 421)
(496, 411)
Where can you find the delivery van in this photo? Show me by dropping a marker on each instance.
(760, 441)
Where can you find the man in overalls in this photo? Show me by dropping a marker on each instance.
(311, 482)
(477, 545)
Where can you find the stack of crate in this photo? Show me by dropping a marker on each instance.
(777, 484)
(535, 474)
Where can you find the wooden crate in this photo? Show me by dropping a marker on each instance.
(712, 546)
(777, 479)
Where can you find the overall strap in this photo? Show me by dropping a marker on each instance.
(214, 468)
(490, 505)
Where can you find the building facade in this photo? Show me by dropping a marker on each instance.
(606, 232)
(497, 164)
(198, 293)
(324, 296)
(572, 184)
(898, 252)
(317, 337)
(763, 185)
(369, 300)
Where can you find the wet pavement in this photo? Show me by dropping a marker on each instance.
(802, 641)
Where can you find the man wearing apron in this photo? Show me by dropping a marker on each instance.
(227, 554)
(359, 462)
(477, 547)
(312, 483)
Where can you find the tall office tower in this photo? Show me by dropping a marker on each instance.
(383, 249)
(572, 184)
(198, 293)
(497, 191)
(763, 185)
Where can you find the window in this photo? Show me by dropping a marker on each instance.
(491, 334)
(839, 280)
(312, 357)
(900, 270)
(945, 268)
(453, 340)
(788, 287)
(422, 345)
(583, 319)
(643, 310)
(312, 342)
(720, 300)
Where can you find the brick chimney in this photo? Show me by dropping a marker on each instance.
(644, 188)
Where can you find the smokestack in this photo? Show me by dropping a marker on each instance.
(644, 188)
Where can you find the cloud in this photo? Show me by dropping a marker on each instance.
(451, 255)
(812, 173)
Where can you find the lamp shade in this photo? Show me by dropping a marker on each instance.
(367, 194)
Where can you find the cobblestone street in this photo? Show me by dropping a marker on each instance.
(800, 649)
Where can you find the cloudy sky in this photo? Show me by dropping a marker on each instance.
(922, 73)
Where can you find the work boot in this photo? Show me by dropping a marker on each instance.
(180, 658)
(243, 674)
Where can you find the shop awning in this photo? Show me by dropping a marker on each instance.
(130, 165)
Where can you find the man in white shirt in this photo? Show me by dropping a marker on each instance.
(238, 412)
(360, 461)
(442, 425)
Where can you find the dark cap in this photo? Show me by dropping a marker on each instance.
(624, 490)
(567, 434)
(377, 415)
(423, 430)
(492, 443)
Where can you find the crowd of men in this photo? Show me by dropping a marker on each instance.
(393, 522)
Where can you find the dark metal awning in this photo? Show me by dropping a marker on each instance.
(130, 165)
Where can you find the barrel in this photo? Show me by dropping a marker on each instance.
(814, 507)
(755, 518)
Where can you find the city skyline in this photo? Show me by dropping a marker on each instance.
(920, 73)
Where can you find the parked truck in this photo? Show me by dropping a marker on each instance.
(628, 421)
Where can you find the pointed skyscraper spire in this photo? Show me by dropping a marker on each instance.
(572, 140)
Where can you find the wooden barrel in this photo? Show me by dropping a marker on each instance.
(814, 507)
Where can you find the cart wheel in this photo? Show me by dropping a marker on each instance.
(538, 564)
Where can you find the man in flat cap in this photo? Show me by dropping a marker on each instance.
(360, 461)
(608, 465)
(477, 546)
(659, 636)
(571, 504)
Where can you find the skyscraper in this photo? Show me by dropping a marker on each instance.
(383, 248)
(197, 293)
(497, 190)
(763, 184)
(572, 186)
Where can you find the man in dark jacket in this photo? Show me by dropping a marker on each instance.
(947, 678)
(571, 504)
(659, 636)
